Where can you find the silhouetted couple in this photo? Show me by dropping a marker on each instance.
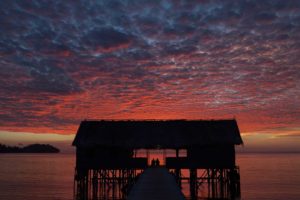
(155, 162)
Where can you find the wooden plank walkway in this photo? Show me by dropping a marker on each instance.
(156, 184)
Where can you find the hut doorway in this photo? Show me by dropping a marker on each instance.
(155, 157)
(159, 154)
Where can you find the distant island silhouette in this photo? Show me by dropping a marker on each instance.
(32, 148)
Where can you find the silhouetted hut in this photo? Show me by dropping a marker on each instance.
(110, 145)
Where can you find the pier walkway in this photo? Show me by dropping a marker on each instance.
(156, 184)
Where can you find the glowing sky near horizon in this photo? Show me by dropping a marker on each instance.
(62, 62)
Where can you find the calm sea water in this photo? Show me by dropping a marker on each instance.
(50, 176)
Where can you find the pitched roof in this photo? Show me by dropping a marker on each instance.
(155, 134)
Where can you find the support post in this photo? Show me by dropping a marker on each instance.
(193, 183)
(177, 170)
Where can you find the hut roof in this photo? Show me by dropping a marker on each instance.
(157, 134)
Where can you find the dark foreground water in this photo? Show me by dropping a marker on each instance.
(50, 176)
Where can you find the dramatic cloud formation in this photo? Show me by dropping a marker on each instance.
(61, 62)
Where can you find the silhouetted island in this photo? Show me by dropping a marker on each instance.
(33, 148)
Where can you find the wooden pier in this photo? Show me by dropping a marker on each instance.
(156, 183)
(107, 165)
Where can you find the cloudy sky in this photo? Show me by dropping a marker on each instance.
(65, 61)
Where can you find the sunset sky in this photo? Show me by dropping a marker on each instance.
(62, 62)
